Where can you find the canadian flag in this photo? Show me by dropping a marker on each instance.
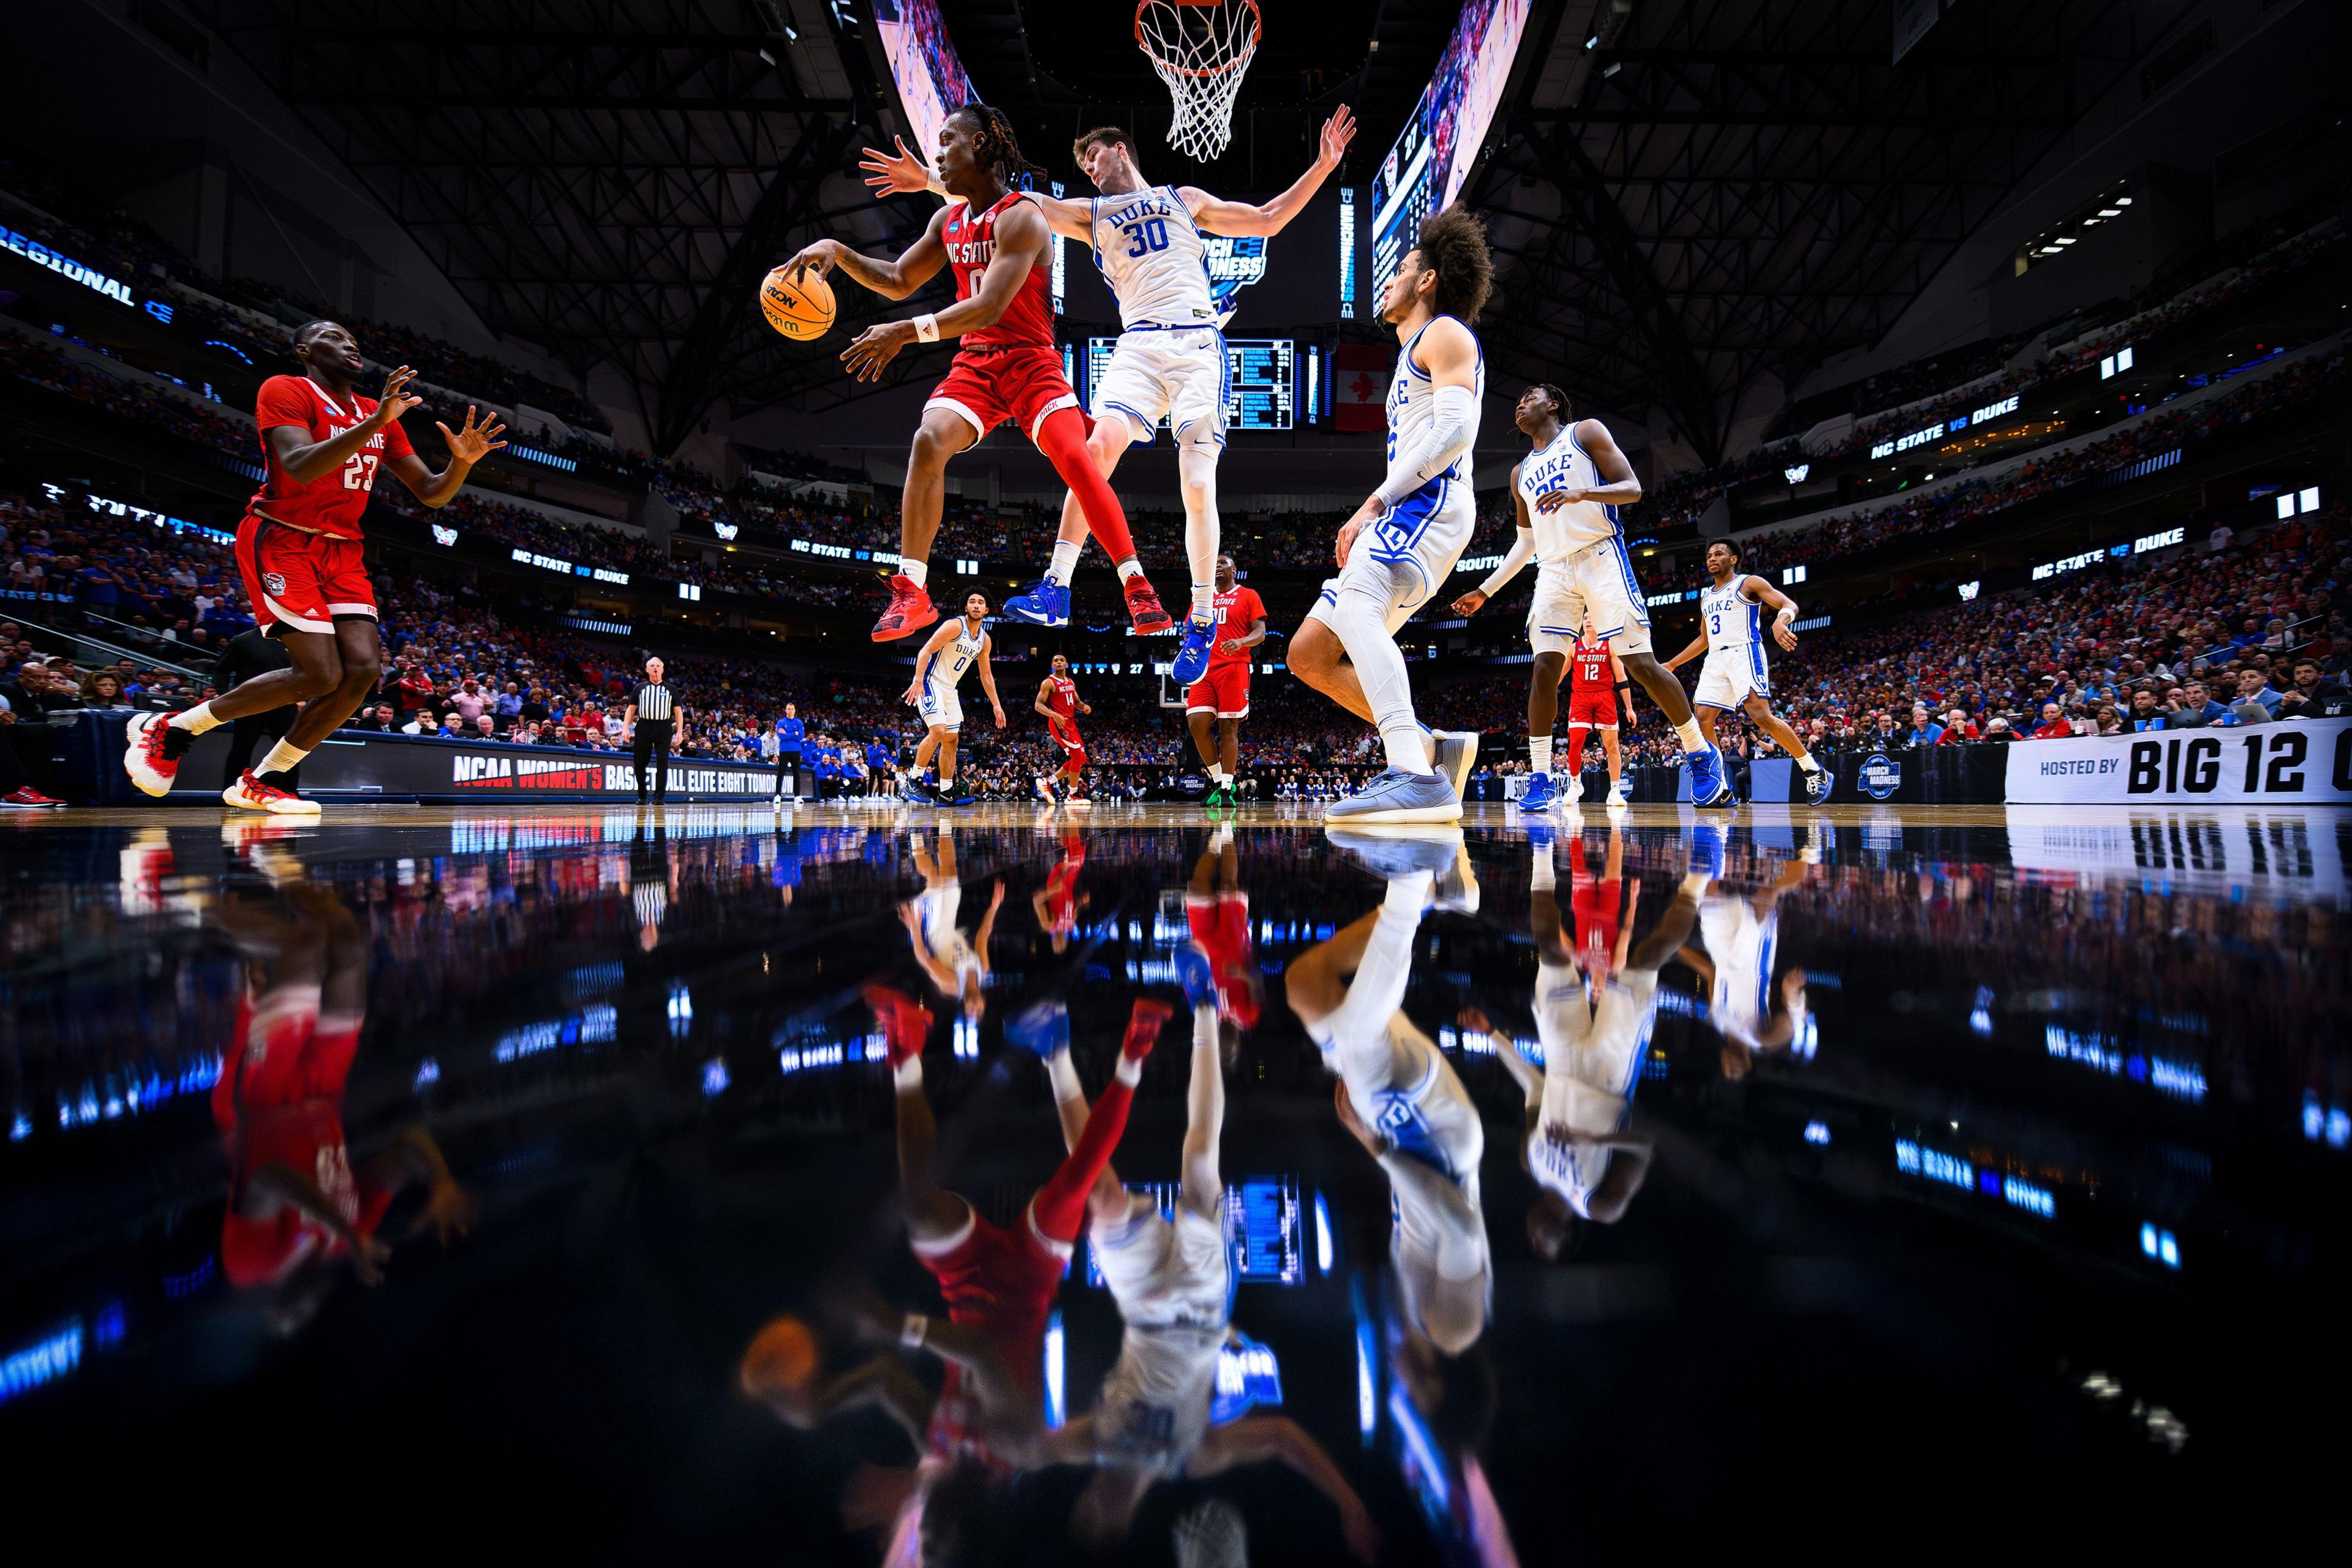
(1359, 385)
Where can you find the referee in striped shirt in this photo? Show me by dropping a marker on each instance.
(652, 718)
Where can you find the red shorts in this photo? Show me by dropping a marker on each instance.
(985, 387)
(1597, 903)
(1592, 709)
(1073, 746)
(1001, 1282)
(1223, 690)
(1221, 925)
(302, 581)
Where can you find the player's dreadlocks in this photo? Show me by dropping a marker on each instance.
(999, 147)
(1558, 400)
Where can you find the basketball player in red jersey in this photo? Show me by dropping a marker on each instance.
(299, 551)
(1222, 693)
(1217, 912)
(1058, 700)
(1595, 676)
(299, 1211)
(1057, 903)
(1006, 367)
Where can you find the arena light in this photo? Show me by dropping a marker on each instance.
(442, 535)
(1969, 590)
(1795, 475)
(727, 530)
(1791, 575)
(2115, 363)
(2308, 499)
(690, 591)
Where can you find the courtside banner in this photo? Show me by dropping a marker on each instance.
(2289, 857)
(2303, 762)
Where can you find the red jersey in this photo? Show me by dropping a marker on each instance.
(333, 503)
(1589, 666)
(1236, 613)
(1028, 321)
(1063, 700)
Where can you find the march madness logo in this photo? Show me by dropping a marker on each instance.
(1881, 776)
(276, 583)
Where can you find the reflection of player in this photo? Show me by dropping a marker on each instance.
(1404, 541)
(939, 666)
(299, 552)
(1173, 1281)
(1007, 367)
(1742, 932)
(1222, 694)
(1058, 700)
(298, 1209)
(1217, 912)
(1403, 1101)
(999, 1282)
(1057, 903)
(1736, 675)
(957, 968)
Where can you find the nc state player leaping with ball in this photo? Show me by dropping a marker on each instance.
(1058, 700)
(299, 551)
(1006, 367)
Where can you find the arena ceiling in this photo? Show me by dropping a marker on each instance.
(1713, 192)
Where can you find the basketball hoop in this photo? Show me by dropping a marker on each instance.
(1200, 49)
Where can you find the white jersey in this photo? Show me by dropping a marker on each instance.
(1157, 1397)
(1564, 466)
(1413, 408)
(1742, 945)
(1152, 255)
(1734, 623)
(947, 665)
(935, 918)
(1591, 1062)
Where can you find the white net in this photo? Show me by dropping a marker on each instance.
(1200, 49)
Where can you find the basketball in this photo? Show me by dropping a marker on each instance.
(801, 309)
(781, 1360)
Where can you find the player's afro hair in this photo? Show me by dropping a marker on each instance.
(1452, 243)
(999, 147)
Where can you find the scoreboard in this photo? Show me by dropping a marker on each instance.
(1261, 381)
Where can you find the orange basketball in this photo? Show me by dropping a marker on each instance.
(800, 308)
(780, 1361)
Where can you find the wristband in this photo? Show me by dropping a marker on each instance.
(926, 328)
(911, 1334)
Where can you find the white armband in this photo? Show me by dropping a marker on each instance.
(926, 328)
(910, 1333)
(1453, 426)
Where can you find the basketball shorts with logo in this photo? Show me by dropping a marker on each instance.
(1224, 691)
(1591, 709)
(941, 708)
(1730, 678)
(1596, 582)
(986, 387)
(1074, 746)
(1163, 1271)
(1179, 374)
(301, 581)
(1403, 559)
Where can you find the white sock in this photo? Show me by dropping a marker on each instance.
(196, 721)
(1544, 871)
(1129, 1070)
(1805, 761)
(1064, 1074)
(1204, 601)
(1540, 753)
(1408, 896)
(1130, 567)
(283, 758)
(1216, 773)
(1688, 732)
(1695, 885)
(1407, 747)
(1065, 561)
(921, 571)
(1205, 1027)
(908, 1075)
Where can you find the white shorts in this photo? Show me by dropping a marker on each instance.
(1596, 582)
(1177, 373)
(1406, 556)
(941, 708)
(1165, 1273)
(1728, 679)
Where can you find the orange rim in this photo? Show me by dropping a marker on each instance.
(1257, 32)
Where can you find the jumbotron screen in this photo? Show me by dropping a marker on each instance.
(932, 82)
(1260, 383)
(1424, 171)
